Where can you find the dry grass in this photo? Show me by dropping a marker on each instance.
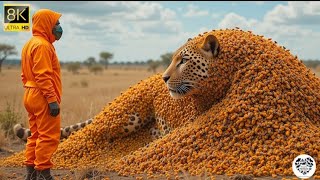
(317, 71)
(88, 174)
(84, 94)
(3, 175)
(3, 143)
(3, 140)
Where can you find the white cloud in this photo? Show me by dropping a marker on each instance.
(142, 30)
(167, 14)
(91, 27)
(284, 24)
(295, 13)
(194, 11)
(232, 20)
(203, 29)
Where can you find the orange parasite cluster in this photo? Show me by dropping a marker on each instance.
(259, 109)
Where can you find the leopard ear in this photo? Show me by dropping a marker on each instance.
(211, 44)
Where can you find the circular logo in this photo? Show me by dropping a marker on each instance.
(304, 166)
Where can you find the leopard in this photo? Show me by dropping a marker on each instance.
(195, 80)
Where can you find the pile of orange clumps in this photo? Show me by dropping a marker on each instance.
(268, 115)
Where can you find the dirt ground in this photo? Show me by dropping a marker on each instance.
(17, 173)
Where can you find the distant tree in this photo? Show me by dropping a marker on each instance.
(105, 57)
(90, 61)
(141, 63)
(311, 63)
(136, 62)
(5, 51)
(166, 59)
(96, 68)
(153, 65)
(73, 67)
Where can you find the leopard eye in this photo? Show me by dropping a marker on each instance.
(183, 61)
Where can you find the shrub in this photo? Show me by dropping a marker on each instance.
(2, 140)
(73, 67)
(96, 68)
(8, 119)
(84, 83)
(74, 84)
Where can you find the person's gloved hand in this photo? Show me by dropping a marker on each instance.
(54, 109)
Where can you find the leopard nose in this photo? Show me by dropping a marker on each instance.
(166, 78)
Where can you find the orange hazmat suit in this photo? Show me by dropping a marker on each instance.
(42, 83)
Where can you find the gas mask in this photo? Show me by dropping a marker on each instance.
(57, 31)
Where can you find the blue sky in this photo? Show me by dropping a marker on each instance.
(142, 30)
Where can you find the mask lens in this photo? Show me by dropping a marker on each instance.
(57, 31)
(59, 28)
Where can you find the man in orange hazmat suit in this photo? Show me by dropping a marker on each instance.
(42, 96)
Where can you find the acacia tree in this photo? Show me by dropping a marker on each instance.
(5, 51)
(90, 61)
(105, 57)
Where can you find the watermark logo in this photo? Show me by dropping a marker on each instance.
(304, 166)
(16, 17)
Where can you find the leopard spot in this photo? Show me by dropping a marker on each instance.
(20, 133)
(75, 126)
